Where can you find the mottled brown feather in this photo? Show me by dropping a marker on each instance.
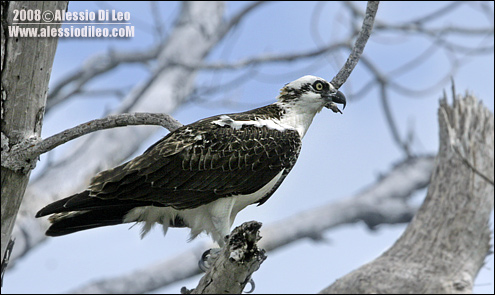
(201, 162)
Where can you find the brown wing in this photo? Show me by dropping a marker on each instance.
(200, 163)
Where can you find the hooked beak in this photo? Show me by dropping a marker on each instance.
(334, 98)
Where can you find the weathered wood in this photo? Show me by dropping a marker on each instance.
(444, 246)
(238, 259)
(26, 68)
(163, 92)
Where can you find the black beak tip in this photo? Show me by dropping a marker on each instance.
(339, 97)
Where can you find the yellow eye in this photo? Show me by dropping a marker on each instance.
(318, 86)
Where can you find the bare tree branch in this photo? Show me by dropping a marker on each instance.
(102, 63)
(265, 59)
(168, 90)
(384, 202)
(390, 120)
(456, 142)
(31, 230)
(231, 270)
(434, 15)
(26, 65)
(444, 247)
(240, 15)
(158, 25)
(358, 48)
(438, 37)
(27, 152)
(94, 67)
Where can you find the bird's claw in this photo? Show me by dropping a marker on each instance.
(251, 282)
(208, 256)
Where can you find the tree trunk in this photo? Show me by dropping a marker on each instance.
(26, 68)
(444, 246)
(167, 89)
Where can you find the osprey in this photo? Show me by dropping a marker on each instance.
(202, 174)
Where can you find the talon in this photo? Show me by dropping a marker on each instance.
(203, 262)
(251, 282)
(208, 256)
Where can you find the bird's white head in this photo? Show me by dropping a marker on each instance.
(312, 94)
(303, 98)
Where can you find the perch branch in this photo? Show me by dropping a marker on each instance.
(27, 152)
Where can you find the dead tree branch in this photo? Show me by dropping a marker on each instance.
(241, 257)
(26, 153)
(384, 202)
(95, 66)
(26, 66)
(358, 48)
(444, 247)
(163, 93)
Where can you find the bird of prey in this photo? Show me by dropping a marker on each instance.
(202, 174)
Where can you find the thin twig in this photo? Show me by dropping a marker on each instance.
(239, 16)
(357, 51)
(435, 15)
(391, 122)
(97, 65)
(263, 59)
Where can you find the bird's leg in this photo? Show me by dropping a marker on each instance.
(211, 255)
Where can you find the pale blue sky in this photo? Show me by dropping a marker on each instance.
(341, 154)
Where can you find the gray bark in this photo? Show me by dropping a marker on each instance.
(235, 264)
(358, 48)
(198, 23)
(30, 153)
(26, 68)
(444, 246)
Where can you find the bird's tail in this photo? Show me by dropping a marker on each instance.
(81, 212)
